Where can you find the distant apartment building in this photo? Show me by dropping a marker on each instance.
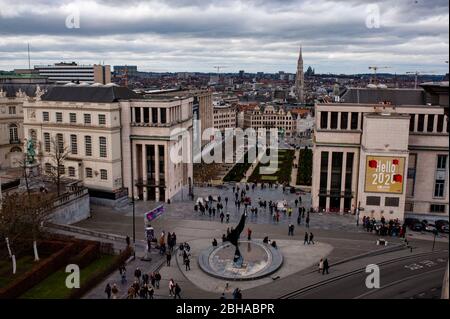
(269, 117)
(125, 69)
(225, 116)
(119, 142)
(73, 72)
(384, 151)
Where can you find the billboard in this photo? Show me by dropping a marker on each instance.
(151, 215)
(385, 174)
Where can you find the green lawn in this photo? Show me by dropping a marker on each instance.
(304, 172)
(54, 286)
(23, 265)
(238, 171)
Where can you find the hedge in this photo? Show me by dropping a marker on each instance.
(304, 172)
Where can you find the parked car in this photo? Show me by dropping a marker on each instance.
(411, 221)
(430, 228)
(442, 225)
(418, 226)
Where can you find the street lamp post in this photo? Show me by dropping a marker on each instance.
(435, 232)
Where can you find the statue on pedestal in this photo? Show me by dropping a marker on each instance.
(31, 152)
(233, 238)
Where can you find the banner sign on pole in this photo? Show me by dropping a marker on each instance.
(154, 213)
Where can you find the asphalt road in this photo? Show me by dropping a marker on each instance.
(415, 277)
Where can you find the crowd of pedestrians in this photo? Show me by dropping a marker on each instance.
(384, 228)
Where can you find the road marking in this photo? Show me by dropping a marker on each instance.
(413, 266)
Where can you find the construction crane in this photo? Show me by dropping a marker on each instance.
(219, 67)
(417, 73)
(375, 69)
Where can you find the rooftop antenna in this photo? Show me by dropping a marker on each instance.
(29, 60)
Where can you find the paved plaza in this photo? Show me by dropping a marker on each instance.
(337, 236)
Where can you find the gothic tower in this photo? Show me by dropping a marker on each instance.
(300, 79)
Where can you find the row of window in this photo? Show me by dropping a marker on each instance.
(73, 118)
(388, 201)
(74, 144)
(150, 115)
(434, 208)
(71, 172)
(347, 118)
(426, 123)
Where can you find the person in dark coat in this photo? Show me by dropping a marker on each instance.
(108, 290)
(306, 239)
(177, 291)
(326, 266)
(311, 238)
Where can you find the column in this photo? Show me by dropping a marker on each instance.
(141, 109)
(157, 171)
(330, 160)
(339, 120)
(159, 115)
(133, 116)
(425, 124)
(329, 120)
(343, 175)
(416, 122)
(435, 123)
(144, 171)
(360, 119)
(135, 171)
(349, 121)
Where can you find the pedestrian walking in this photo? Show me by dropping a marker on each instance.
(171, 287)
(326, 266)
(177, 291)
(187, 262)
(157, 277)
(228, 217)
(296, 202)
(320, 265)
(306, 239)
(222, 216)
(168, 258)
(249, 234)
(311, 238)
(108, 290)
(137, 275)
(128, 241)
(307, 221)
(114, 291)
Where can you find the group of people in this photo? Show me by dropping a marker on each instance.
(383, 228)
(143, 287)
(171, 242)
(323, 266)
(309, 238)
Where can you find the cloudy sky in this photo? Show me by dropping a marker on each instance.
(254, 35)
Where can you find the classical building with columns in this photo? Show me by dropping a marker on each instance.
(153, 128)
(384, 151)
(119, 142)
(269, 117)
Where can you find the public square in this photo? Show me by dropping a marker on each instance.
(348, 247)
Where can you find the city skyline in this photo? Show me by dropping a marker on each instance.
(255, 36)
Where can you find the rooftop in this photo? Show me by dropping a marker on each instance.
(94, 94)
(378, 95)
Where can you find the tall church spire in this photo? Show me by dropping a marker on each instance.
(300, 79)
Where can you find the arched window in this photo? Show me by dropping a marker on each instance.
(16, 149)
(13, 134)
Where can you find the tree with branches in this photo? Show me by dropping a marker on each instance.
(57, 160)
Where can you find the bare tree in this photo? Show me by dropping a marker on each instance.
(26, 173)
(37, 210)
(11, 224)
(57, 160)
